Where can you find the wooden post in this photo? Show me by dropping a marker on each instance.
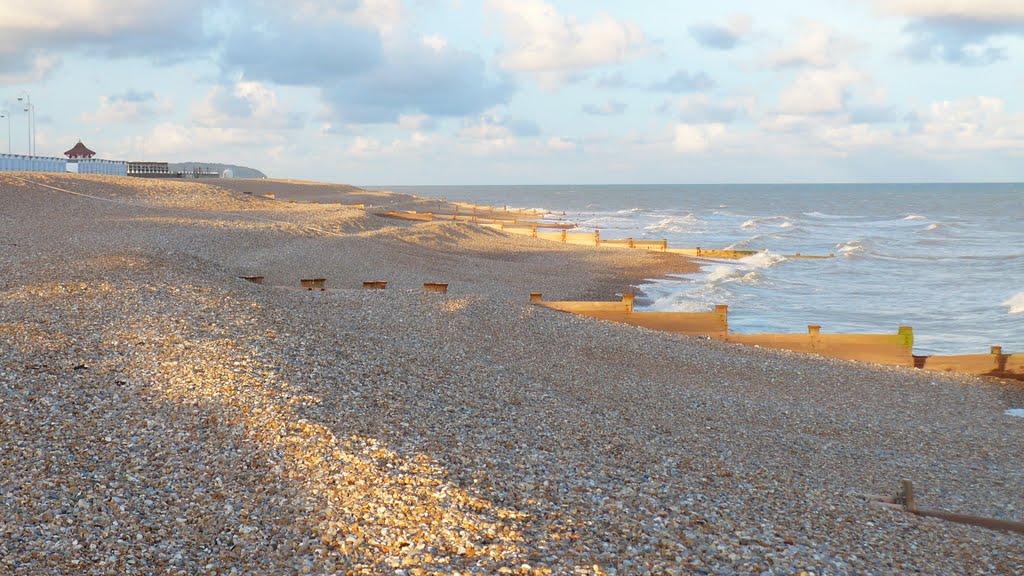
(814, 329)
(907, 495)
(664, 245)
(375, 285)
(253, 279)
(563, 237)
(533, 231)
(628, 299)
(536, 297)
(597, 237)
(311, 283)
(997, 350)
(434, 287)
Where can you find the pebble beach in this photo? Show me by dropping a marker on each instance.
(159, 415)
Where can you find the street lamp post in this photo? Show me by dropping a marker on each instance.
(6, 114)
(27, 98)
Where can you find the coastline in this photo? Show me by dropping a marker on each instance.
(234, 425)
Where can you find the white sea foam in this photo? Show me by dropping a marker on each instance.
(763, 259)
(745, 270)
(780, 221)
(850, 248)
(1016, 303)
(676, 224)
(678, 303)
(1018, 412)
(723, 273)
(825, 216)
(914, 217)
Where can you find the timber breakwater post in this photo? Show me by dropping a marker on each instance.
(888, 349)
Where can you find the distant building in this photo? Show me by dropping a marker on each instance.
(79, 151)
(151, 170)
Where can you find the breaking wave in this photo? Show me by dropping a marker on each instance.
(677, 224)
(850, 248)
(1016, 303)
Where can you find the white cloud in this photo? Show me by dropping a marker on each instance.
(820, 91)
(389, 18)
(40, 67)
(416, 122)
(372, 148)
(998, 11)
(435, 42)
(552, 47)
(176, 142)
(115, 27)
(245, 104)
(980, 123)
(703, 108)
(696, 138)
(787, 123)
(849, 137)
(127, 108)
(560, 144)
(817, 46)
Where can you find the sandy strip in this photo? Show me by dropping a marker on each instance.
(158, 415)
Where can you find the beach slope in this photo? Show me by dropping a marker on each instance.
(160, 415)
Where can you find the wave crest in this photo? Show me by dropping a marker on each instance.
(850, 248)
(1016, 303)
(677, 224)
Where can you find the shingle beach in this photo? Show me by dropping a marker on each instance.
(159, 415)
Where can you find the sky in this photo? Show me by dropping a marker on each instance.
(390, 92)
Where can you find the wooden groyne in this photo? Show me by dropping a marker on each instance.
(492, 218)
(905, 501)
(889, 349)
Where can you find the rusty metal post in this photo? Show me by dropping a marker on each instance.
(814, 329)
(536, 297)
(997, 350)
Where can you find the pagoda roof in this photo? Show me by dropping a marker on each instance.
(79, 151)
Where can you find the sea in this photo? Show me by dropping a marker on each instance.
(945, 259)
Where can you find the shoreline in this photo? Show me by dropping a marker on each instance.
(167, 416)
